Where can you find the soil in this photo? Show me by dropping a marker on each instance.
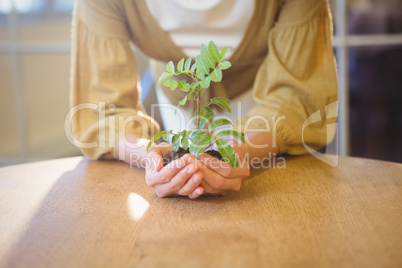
(176, 155)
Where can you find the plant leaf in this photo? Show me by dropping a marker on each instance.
(227, 152)
(221, 98)
(200, 76)
(213, 51)
(194, 133)
(205, 82)
(205, 110)
(225, 65)
(218, 123)
(231, 133)
(183, 85)
(186, 87)
(199, 135)
(163, 77)
(201, 68)
(176, 142)
(170, 83)
(184, 139)
(206, 58)
(166, 135)
(175, 109)
(187, 64)
(203, 144)
(170, 67)
(180, 65)
(190, 132)
(154, 138)
(224, 51)
(196, 138)
(221, 102)
(194, 85)
(205, 118)
(216, 75)
(193, 67)
(183, 101)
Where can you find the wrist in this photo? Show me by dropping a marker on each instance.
(132, 149)
(259, 145)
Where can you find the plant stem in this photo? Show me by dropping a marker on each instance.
(191, 76)
(198, 111)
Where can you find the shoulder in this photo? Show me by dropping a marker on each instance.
(299, 11)
(104, 17)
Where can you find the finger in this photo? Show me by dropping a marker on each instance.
(166, 173)
(163, 148)
(177, 182)
(155, 162)
(156, 154)
(209, 190)
(219, 182)
(154, 178)
(223, 168)
(196, 193)
(191, 184)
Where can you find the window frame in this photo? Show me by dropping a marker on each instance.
(342, 41)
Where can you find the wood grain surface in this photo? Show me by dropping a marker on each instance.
(77, 213)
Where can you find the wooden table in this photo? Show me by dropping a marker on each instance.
(77, 213)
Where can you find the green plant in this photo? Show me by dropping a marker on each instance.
(207, 68)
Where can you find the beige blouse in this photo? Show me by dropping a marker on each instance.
(285, 56)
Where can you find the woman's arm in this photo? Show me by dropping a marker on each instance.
(104, 94)
(296, 79)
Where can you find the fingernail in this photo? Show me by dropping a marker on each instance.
(184, 170)
(197, 179)
(198, 192)
(190, 169)
(181, 164)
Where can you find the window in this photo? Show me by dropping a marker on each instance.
(32, 32)
(36, 6)
(368, 45)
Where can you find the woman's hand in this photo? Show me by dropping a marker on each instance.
(219, 177)
(179, 177)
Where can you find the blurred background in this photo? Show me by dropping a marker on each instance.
(35, 62)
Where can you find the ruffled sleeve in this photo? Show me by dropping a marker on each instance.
(104, 93)
(297, 80)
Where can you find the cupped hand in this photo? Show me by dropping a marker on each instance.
(179, 177)
(219, 177)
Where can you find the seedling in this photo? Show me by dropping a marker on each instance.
(207, 68)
